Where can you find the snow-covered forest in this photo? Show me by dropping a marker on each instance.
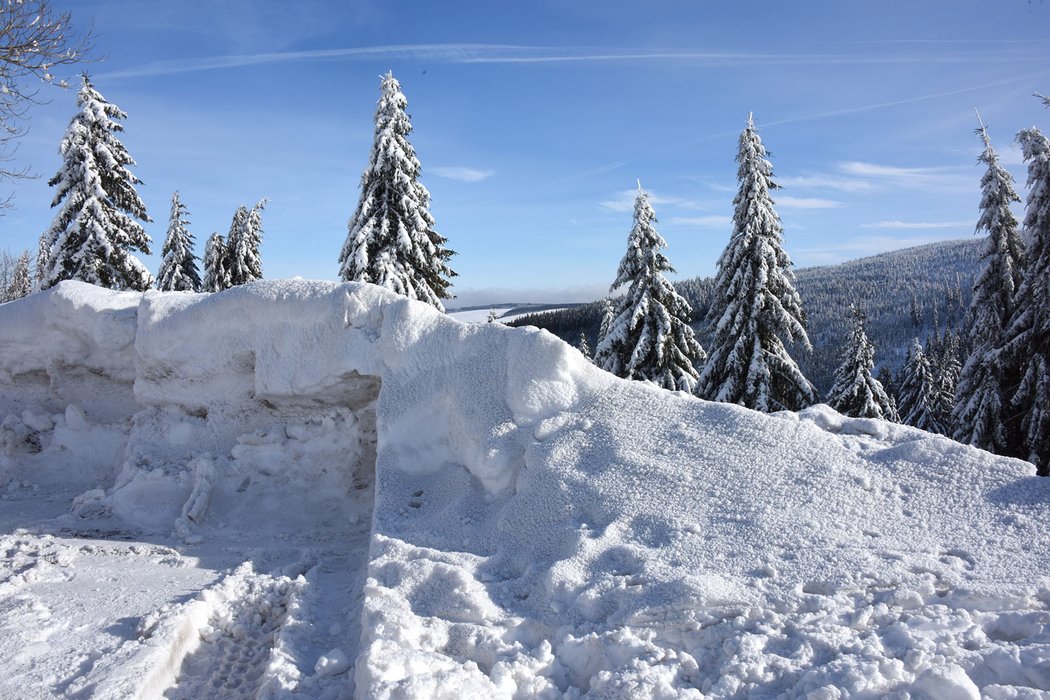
(824, 482)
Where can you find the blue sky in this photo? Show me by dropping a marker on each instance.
(534, 119)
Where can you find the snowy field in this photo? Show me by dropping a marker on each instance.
(502, 315)
(296, 489)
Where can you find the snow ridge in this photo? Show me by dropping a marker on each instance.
(476, 510)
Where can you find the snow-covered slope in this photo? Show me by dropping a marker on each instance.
(539, 529)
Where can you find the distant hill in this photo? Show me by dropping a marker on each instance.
(904, 293)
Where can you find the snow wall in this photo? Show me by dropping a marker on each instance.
(540, 528)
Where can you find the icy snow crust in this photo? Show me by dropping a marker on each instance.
(539, 529)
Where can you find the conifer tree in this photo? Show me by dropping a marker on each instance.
(981, 408)
(178, 269)
(243, 261)
(945, 365)
(42, 260)
(650, 338)
(94, 233)
(21, 285)
(855, 391)
(608, 316)
(584, 347)
(1028, 337)
(216, 276)
(918, 390)
(755, 307)
(391, 240)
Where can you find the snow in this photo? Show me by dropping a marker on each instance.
(302, 489)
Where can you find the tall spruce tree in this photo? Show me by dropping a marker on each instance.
(391, 240)
(855, 391)
(918, 391)
(243, 261)
(216, 276)
(178, 268)
(94, 233)
(1028, 337)
(650, 338)
(981, 407)
(755, 307)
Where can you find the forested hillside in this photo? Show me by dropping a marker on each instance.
(905, 294)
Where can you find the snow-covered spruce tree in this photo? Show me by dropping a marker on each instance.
(1028, 337)
(944, 363)
(95, 232)
(856, 392)
(391, 240)
(918, 391)
(21, 284)
(981, 407)
(608, 316)
(216, 276)
(755, 306)
(584, 347)
(243, 261)
(43, 253)
(178, 269)
(650, 338)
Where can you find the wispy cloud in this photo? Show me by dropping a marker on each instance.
(918, 225)
(508, 53)
(448, 53)
(923, 178)
(1010, 154)
(825, 182)
(462, 174)
(1017, 79)
(597, 170)
(624, 201)
(711, 221)
(788, 202)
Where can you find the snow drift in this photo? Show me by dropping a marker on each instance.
(539, 528)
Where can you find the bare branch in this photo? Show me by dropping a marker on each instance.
(35, 42)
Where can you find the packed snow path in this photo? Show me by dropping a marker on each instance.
(188, 511)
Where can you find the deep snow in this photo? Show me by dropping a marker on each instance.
(307, 489)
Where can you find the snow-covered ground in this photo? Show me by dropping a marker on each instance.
(502, 314)
(296, 489)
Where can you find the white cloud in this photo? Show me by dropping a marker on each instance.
(788, 202)
(462, 174)
(1010, 154)
(624, 201)
(712, 221)
(929, 178)
(838, 182)
(908, 225)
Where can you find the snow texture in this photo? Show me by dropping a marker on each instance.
(302, 489)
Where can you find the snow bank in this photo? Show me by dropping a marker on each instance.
(540, 528)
